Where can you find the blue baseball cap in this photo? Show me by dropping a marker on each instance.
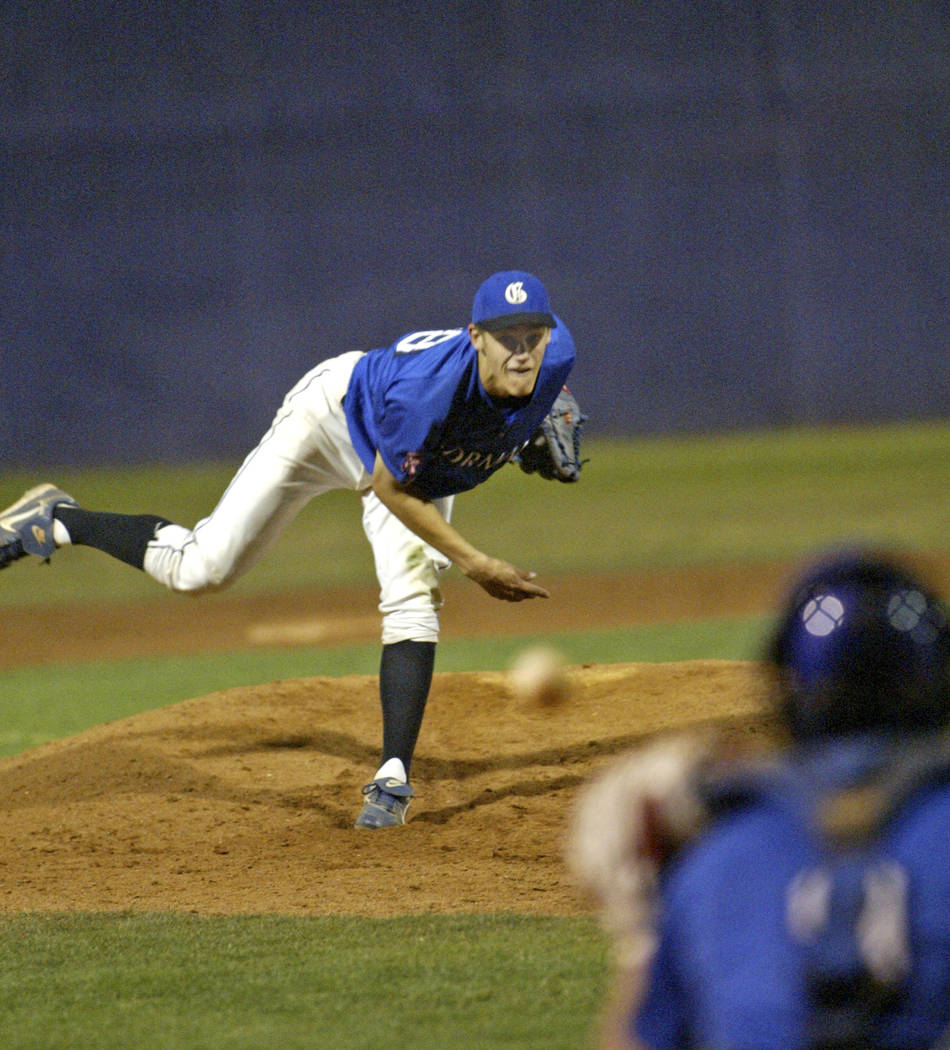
(511, 297)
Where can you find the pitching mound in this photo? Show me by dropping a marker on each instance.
(243, 801)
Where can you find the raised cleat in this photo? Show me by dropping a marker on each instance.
(385, 802)
(26, 527)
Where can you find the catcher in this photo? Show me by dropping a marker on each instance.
(797, 900)
(407, 427)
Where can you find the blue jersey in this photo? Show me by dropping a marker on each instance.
(729, 973)
(421, 405)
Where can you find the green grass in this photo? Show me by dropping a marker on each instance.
(467, 981)
(247, 983)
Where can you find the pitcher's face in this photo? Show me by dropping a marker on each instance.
(510, 358)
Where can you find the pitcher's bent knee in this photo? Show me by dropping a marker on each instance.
(175, 560)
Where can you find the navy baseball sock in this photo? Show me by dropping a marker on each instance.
(405, 675)
(124, 536)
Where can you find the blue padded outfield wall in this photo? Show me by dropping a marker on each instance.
(742, 210)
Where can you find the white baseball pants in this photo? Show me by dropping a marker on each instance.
(306, 451)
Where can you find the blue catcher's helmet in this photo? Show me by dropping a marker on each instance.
(861, 645)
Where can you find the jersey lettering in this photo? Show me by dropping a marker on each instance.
(479, 460)
(417, 341)
(851, 918)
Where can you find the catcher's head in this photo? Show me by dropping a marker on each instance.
(862, 644)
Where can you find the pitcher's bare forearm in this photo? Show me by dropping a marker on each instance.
(499, 578)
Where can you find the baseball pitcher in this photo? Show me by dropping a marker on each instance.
(406, 427)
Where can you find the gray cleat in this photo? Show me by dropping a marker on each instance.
(26, 527)
(385, 804)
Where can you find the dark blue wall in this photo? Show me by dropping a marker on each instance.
(741, 209)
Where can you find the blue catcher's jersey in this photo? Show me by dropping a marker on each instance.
(421, 405)
(730, 969)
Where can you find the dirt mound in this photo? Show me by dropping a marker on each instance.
(243, 801)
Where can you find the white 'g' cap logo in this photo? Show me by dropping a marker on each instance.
(515, 293)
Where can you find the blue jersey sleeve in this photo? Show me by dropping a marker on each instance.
(394, 394)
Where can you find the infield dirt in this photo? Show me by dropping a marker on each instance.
(243, 801)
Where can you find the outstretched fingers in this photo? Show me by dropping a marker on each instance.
(510, 584)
